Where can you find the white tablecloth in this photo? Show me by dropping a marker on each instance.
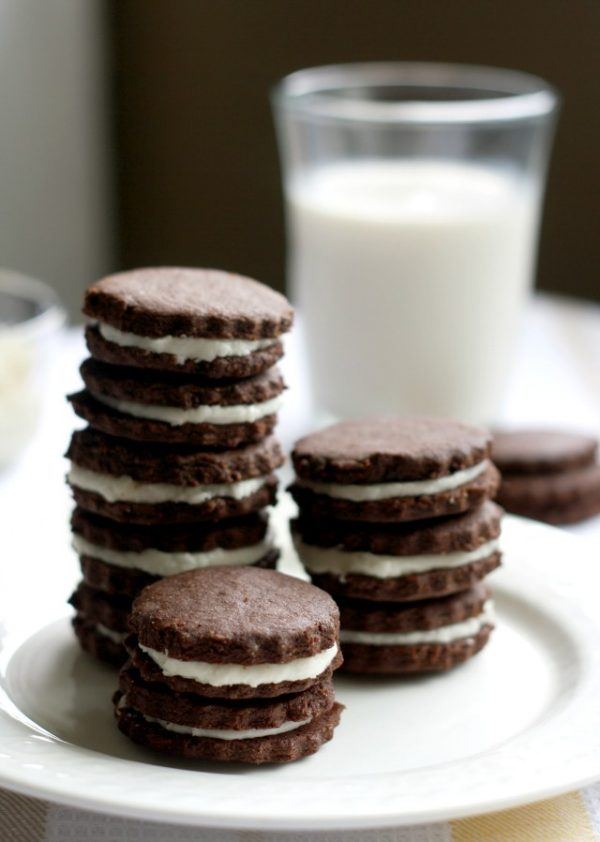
(556, 382)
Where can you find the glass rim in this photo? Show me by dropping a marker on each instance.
(51, 316)
(506, 95)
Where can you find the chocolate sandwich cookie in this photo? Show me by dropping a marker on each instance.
(123, 558)
(405, 561)
(136, 482)
(427, 636)
(201, 321)
(158, 406)
(234, 633)
(393, 469)
(548, 475)
(249, 731)
(101, 622)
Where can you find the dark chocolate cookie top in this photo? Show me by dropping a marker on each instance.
(177, 465)
(173, 301)
(380, 449)
(537, 451)
(242, 615)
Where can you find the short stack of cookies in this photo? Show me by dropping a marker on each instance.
(176, 467)
(547, 474)
(396, 521)
(231, 664)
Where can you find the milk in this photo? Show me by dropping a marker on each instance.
(410, 277)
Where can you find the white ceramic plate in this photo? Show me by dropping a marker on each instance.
(519, 722)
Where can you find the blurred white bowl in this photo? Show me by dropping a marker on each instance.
(30, 318)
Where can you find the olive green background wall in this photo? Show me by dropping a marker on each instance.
(198, 178)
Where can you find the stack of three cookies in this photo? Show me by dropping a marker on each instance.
(175, 470)
(231, 664)
(396, 522)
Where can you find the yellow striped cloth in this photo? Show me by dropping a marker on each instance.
(574, 817)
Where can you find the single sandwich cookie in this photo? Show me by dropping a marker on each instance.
(124, 558)
(397, 562)
(156, 406)
(427, 636)
(248, 731)
(134, 482)
(548, 475)
(393, 469)
(201, 321)
(234, 633)
(101, 623)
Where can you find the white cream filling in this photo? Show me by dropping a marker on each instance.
(209, 414)
(444, 634)
(226, 733)
(160, 563)
(343, 563)
(114, 489)
(386, 490)
(115, 636)
(222, 675)
(185, 348)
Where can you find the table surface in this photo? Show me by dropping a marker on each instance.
(556, 382)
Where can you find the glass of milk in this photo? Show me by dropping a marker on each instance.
(413, 196)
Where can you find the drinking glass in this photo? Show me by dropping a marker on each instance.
(413, 196)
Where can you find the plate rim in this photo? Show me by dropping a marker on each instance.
(366, 822)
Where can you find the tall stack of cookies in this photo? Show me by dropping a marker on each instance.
(397, 522)
(176, 466)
